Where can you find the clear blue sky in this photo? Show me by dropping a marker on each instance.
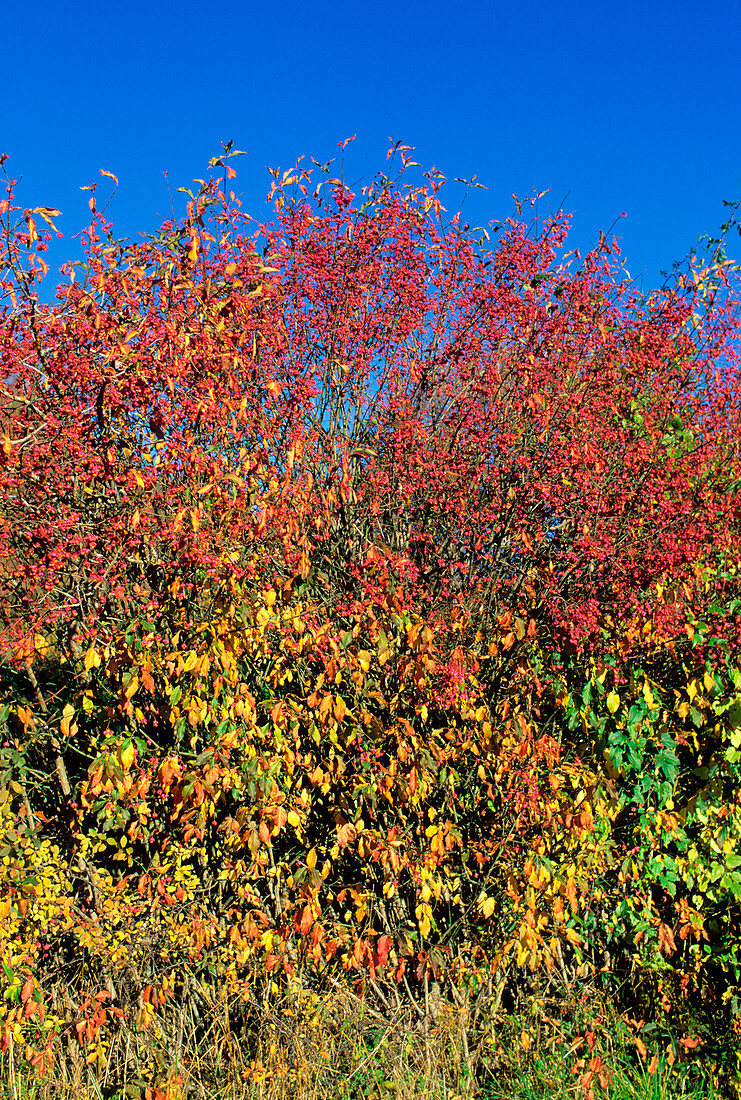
(628, 106)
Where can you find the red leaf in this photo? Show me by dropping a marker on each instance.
(382, 950)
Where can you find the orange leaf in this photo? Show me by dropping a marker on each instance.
(667, 943)
(47, 213)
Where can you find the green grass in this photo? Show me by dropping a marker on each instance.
(550, 1078)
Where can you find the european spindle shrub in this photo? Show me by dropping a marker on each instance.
(370, 614)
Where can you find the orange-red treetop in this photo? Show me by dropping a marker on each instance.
(367, 391)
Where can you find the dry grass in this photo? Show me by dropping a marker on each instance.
(299, 1044)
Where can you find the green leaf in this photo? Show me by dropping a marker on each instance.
(635, 758)
(732, 883)
(636, 714)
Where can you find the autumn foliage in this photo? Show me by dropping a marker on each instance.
(371, 620)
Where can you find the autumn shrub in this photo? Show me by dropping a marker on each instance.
(370, 624)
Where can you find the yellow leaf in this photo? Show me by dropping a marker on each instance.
(92, 659)
(613, 702)
(133, 685)
(127, 755)
(67, 715)
(424, 917)
(311, 859)
(293, 819)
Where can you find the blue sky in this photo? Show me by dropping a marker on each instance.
(613, 107)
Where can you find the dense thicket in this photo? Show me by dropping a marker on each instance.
(370, 612)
